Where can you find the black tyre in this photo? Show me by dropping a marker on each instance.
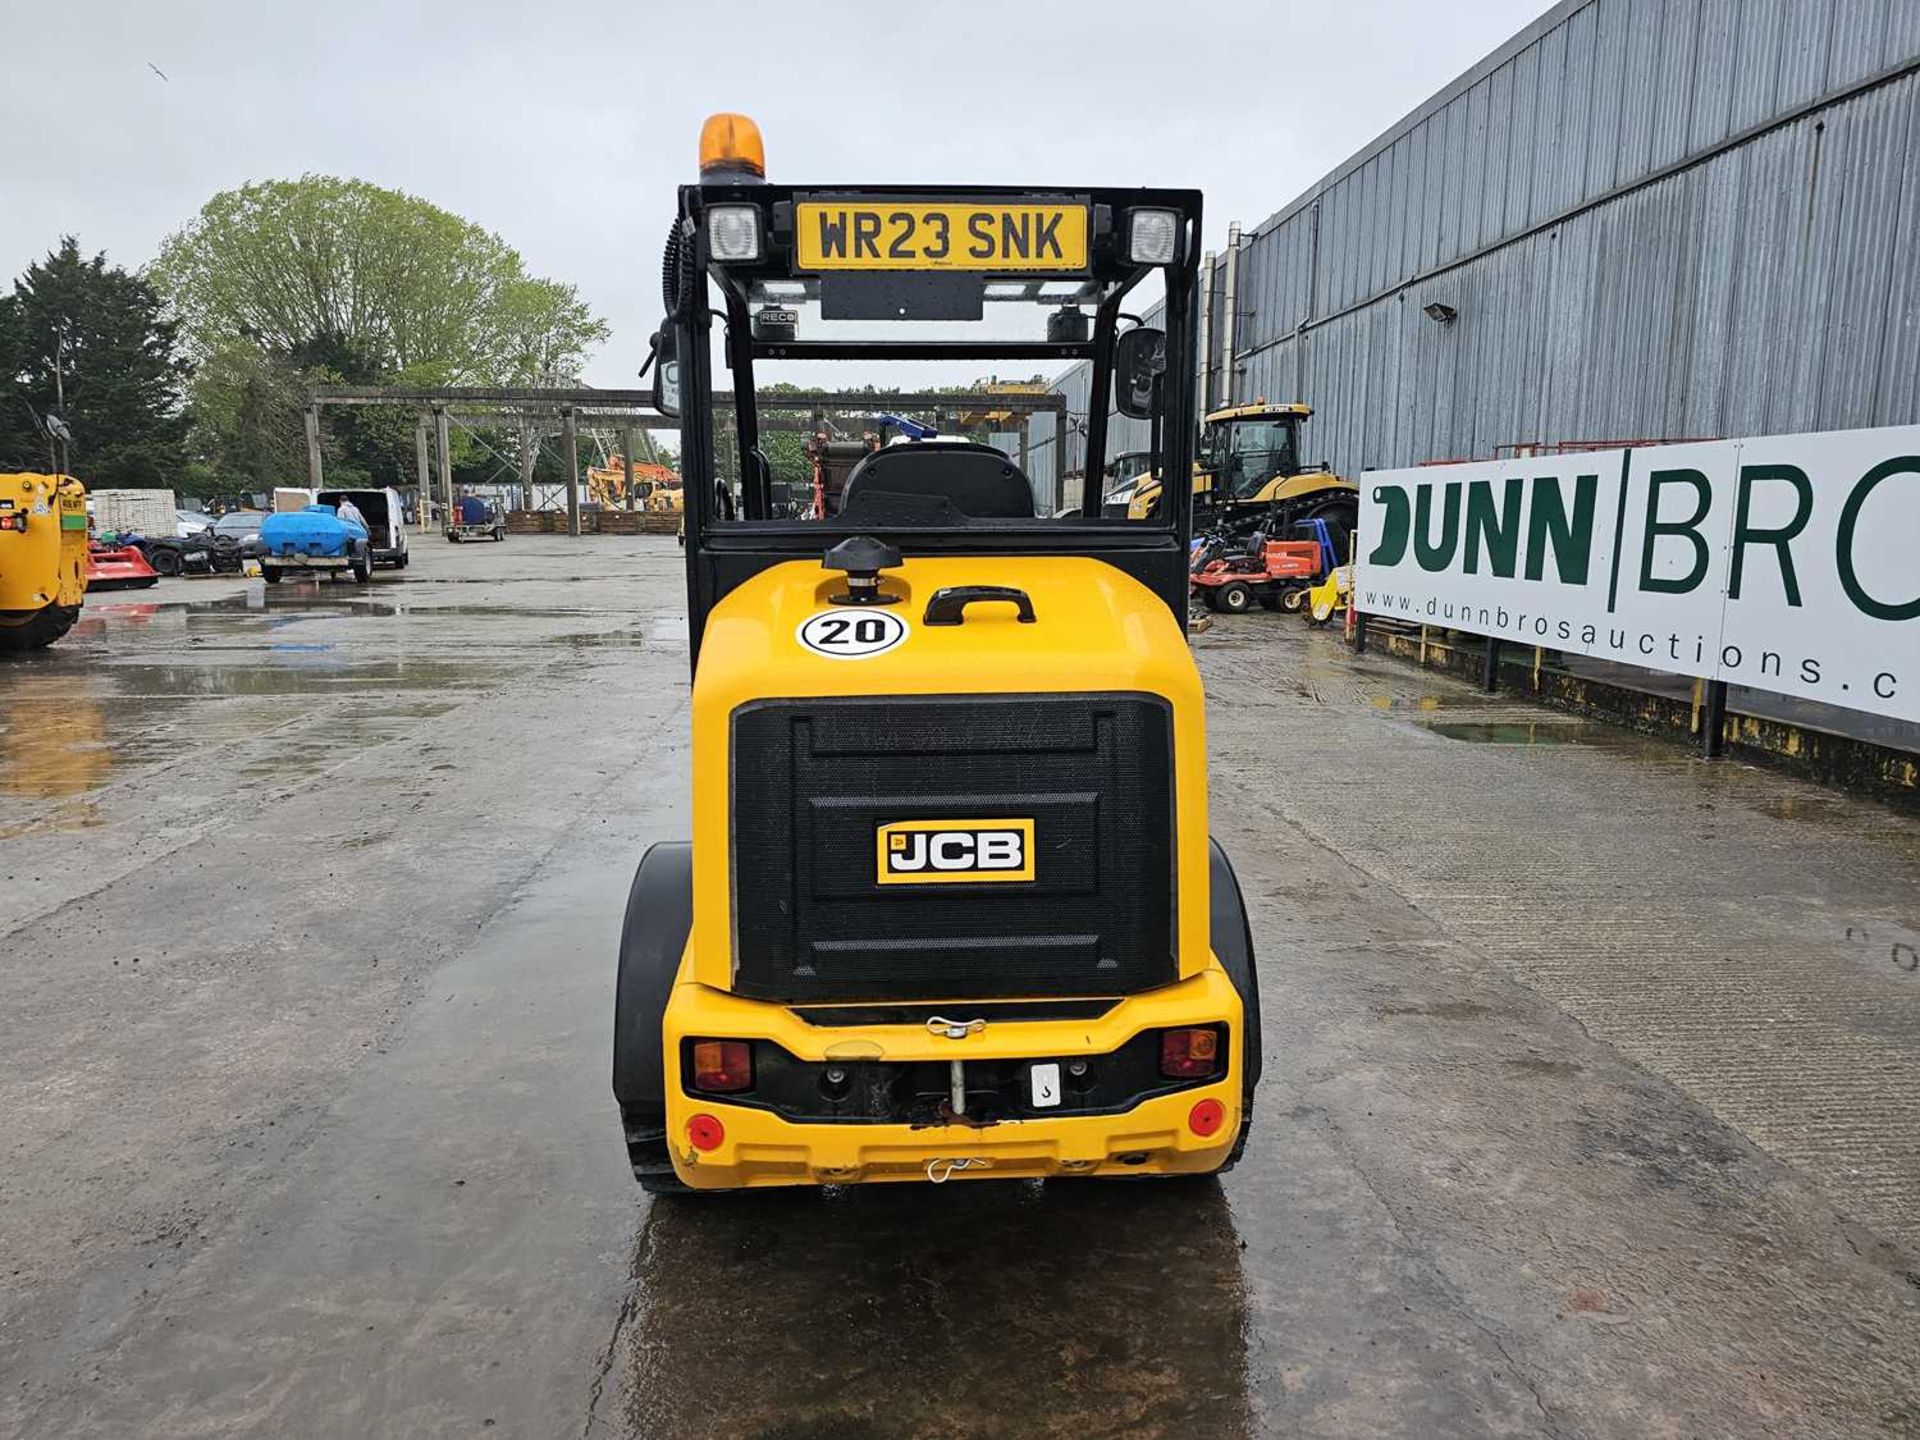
(35, 629)
(270, 574)
(453, 536)
(165, 560)
(1232, 940)
(1236, 597)
(1292, 601)
(400, 561)
(1343, 518)
(652, 940)
(363, 566)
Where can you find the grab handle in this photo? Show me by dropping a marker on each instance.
(949, 603)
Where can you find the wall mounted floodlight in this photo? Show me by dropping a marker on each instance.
(1444, 314)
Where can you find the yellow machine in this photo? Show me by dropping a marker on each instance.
(1249, 473)
(950, 909)
(656, 488)
(1329, 597)
(43, 558)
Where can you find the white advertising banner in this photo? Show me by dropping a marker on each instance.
(1789, 563)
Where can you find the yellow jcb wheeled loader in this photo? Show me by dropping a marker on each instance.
(950, 910)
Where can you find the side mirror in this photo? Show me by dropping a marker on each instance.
(1139, 358)
(665, 361)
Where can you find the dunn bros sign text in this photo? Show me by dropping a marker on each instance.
(1789, 563)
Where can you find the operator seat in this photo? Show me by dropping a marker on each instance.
(934, 484)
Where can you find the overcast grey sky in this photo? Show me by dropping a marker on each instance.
(565, 126)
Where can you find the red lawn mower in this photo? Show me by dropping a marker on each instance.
(1276, 574)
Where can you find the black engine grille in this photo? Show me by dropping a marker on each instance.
(814, 779)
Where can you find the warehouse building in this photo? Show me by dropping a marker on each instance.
(1637, 219)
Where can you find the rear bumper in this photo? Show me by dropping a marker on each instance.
(762, 1148)
(308, 562)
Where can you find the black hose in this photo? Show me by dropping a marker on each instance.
(670, 267)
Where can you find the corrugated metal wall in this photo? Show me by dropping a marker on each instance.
(1654, 219)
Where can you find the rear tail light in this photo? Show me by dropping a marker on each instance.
(1190, 1054)
(722, 1066)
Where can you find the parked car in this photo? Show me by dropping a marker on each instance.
(238, 525)
(190, 523)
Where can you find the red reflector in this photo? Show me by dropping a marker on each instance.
(1206, 1118)
(1190, 1054)
(721, 1066)
(704, 1132)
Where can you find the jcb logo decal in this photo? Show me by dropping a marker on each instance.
(946, 852)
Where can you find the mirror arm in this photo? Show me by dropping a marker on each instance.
(1165, 502)
(756, 481)
(1106, 323)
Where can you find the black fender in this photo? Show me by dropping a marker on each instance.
(1232, 940)
(652, 940)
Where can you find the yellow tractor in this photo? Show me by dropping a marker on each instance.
(950, 909)
(1249, 476)
(43, 558)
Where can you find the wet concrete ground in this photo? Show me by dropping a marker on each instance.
(1589, 1110)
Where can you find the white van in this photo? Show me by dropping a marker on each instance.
(386, 521)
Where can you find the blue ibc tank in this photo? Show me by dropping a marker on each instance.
(316, 530)
(473, 510)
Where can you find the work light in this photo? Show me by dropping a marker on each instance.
(1153, 237)
(733, 233)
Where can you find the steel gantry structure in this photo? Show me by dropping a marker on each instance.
(520, 408)
(505, 407)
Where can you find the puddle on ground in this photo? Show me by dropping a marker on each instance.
(89, 716)
(284, 607)
(1527, 732)
(66, 738)
(52, 747)
(603, 640)
(326, 677)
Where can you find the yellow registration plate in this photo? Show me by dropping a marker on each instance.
(998, 238)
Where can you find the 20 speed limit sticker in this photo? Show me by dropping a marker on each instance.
(850, 634)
